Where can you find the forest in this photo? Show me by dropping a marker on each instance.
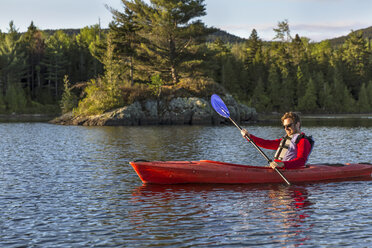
(161, 49)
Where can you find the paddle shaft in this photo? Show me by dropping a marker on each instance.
(259, 149)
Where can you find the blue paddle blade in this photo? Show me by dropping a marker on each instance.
(219, 106)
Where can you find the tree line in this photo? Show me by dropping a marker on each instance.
(151, 48)
(33, 66)
(294, 73)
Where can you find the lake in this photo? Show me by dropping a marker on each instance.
(72, 186)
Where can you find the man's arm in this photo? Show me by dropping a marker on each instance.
(267, 144)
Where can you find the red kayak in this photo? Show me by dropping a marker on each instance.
(207, 171)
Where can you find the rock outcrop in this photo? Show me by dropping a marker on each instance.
(177, 111)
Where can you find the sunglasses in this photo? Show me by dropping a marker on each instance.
(288, 126)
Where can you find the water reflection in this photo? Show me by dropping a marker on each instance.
(72, 186)
(284, 209)
(290, 210)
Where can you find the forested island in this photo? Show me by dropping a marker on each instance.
(161, 51)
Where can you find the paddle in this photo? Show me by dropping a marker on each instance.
(222, 110)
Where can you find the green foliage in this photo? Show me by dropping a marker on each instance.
(294, 73)
(363, 101)
(158, 49)
(36, 63)
(69, 99)
(283, 32)
(16, 98)
(307, 103)
(156, 84)
(2, 104)
(168, 35)
(99, 98)
(260, 99)
(369, 93)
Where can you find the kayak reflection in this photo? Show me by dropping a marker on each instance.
(254, 210)
(289, 208)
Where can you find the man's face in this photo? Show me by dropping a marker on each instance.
(290, 127)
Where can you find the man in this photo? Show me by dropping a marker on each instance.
(293, 149)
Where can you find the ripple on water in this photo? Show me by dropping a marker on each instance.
(72, 186)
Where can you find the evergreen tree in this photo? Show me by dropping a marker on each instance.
(253, 61)
(363, 101)
(170, 35)
(12, 59)
(88, 65)
(321, 54)
(16, 98)
(369, 93)
(355, 55)
(260, 99)
(341, 95)
(301, 84)
(69, 99)
(220, 55)
(55, 60)
(288, 91)
(307, 103)
(275, 88)
(2, 104)
(34, 44)
(229, 75)
(104, 93)
(298, 51)
(281, 57)
(254, 46)
(326, 99)
(124, 35)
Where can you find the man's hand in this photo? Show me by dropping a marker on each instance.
(244, 133)
(276, 164)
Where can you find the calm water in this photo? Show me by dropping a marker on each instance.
(67, 186)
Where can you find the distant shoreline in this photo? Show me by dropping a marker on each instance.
(26, 117)
(262, 118)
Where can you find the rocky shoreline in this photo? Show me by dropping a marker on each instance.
(177, 111)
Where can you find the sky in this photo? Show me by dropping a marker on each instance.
(314, 19)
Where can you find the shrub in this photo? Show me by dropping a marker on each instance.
(69, 99)
(15, 98)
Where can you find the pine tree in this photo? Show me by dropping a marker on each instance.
(275, 88)
(307, 103)
(229, 75)
(55, 60)
(369, 93)
(170, 36)
(12, 66)
(259, 99)
(355, 56)
(288, 90)
(89, 66)
(297, 51)
(124, 35)
(253, 46)
(326, 99)
(363, 101)
(34, 45)
(341, 94)
(16, 98)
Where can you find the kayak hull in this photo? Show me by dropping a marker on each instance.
(208, 171)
